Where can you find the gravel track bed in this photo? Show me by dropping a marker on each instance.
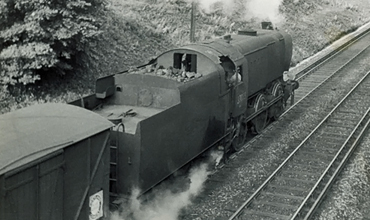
(349, 197)
(347, 104)
(300, 183)
(261, 159)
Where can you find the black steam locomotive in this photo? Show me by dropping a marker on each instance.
(142, 125)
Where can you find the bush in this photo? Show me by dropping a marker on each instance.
(39, 37)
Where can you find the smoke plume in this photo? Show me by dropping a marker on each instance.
(264, 10)
(210, 5)
(261, 10)
(166, 204)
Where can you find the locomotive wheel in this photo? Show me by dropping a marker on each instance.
(259, 122)
(240, 134)
(279, 106)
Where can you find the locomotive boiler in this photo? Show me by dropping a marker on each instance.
(189, 99)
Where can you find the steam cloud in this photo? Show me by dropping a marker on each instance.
(166, 205)
(262, 10)
(267, 10)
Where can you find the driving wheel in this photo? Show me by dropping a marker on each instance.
(259, 122)
(279, 107)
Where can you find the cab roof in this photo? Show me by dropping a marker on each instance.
(33, 132)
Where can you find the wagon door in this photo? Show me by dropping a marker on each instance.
(35, 193)
(51, 189)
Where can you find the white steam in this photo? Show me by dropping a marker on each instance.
(265, 10)
(210, 5)
(261, 10)
(166, 205)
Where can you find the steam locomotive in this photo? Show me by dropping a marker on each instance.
(64, 161)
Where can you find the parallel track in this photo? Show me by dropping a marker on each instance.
(295, 188)
(313, 77)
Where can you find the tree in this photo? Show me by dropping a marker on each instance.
(40, 37)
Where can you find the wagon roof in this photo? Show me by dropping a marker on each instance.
(33, 132)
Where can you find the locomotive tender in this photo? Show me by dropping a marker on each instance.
(155, 118)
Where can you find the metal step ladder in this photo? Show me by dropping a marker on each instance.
(113, 175)
(113, 170)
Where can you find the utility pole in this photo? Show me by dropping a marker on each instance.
(192, 24)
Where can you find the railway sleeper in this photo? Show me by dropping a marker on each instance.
(306, 85)
(348, 111)
(304, 106)
(335, 125)
(333, 140)
(282, 196)
(279, 205)
(299, 173)
(287, 202)
(347, 115)
(321, 149)
(331, 144)
(298, 96)
(314, 163)
(291, 179)
(289, 191)
(307, 157)
(278, 187)
(302, 166)
(332, 133)
(338, 131)
(311, 82)
(319, 72)
(302, 176)
(361, 109)
(361, 95)
(339, 121)
(343, 126)
(265, 214)
(332, 136)
(320, 154)
(299, 92)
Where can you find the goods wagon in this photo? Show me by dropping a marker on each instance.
(54, 164)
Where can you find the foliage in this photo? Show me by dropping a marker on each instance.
(43, 36)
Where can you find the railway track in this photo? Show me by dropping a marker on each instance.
(314, 76)
(305, 176)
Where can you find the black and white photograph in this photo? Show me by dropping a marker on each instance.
(184, 109)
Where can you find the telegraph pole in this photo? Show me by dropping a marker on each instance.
(192, 24)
